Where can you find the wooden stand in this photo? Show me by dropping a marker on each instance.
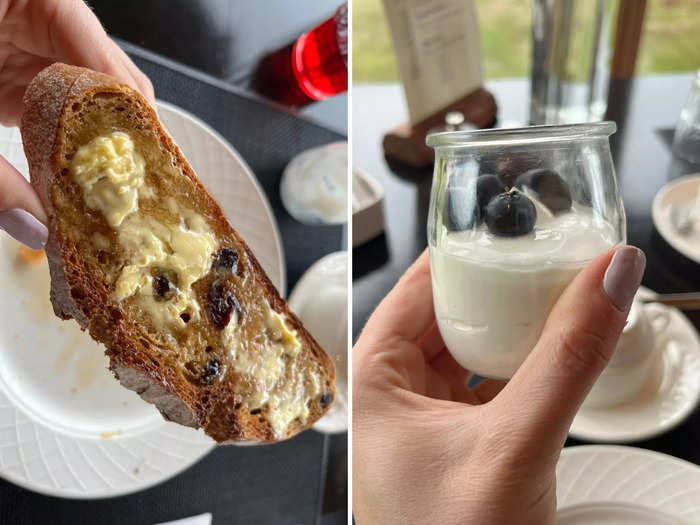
(406, 143)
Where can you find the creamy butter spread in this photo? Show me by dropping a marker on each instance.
(111, 174)
(281, 385)
(185, 250)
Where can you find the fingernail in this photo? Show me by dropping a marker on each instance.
(24, 227)
(623, 276)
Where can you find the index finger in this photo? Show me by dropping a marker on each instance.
(68, 31)
(578, 340)
(406, 312)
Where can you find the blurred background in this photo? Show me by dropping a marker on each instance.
(669, 39)
(226, 39)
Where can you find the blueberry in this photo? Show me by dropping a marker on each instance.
(462, 211)
(326, 399)
(487, 187)
(510, 214)
(551, 189)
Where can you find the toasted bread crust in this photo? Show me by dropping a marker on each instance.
(44, 122)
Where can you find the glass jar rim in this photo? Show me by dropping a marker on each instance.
(524, 135)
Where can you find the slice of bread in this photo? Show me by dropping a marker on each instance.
(142, 257)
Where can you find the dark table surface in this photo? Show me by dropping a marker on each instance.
(645, 109)
(303, 480)
(224, 38)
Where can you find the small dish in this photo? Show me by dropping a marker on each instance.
(679, 191)
(314, 185)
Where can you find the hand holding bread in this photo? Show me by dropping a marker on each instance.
(38, 34)
(142, 257)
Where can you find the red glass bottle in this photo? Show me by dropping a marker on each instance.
(312, 68)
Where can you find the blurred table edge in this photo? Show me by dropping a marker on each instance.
(309, 113)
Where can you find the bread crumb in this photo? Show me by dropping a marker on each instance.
(110, 435)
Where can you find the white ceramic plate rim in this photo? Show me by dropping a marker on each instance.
(139, 486)
(663, 226)
(670, 423)
(266, 203)
(58, 493)
(297, 298)
(616, 505)
(618, 497)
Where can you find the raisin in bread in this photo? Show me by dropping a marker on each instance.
(142, 257)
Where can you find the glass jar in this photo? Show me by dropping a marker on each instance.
(514, 215)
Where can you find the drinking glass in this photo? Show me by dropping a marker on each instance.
(514, 215)
(570, 60)
(686, 139)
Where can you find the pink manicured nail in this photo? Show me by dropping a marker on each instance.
(623, 276)
(24, 227)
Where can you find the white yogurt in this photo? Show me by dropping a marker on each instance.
(493, 294)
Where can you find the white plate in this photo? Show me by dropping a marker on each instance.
(66, 426)
(606, 485)
(320, 300)
(670, 394)
(679, 191)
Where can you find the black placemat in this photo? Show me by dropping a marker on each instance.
(267, 137)
(276, 484)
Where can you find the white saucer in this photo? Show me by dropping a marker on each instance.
(612, 485)
(678, 191)
(66, 426)
(320, 300)
(670, 394)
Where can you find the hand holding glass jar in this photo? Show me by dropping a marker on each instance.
(515, 214)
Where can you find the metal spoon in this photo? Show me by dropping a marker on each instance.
(684, 301)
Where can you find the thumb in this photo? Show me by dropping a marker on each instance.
(21, 212)
(578, 340)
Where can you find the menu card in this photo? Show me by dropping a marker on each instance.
(438, 52)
